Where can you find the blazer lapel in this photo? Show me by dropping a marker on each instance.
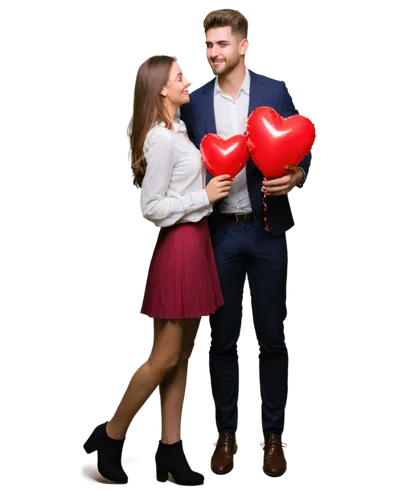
(210, 126)
(255, 101)
(256, 92)
(208, 103)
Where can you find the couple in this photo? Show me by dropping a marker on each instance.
(213, 232)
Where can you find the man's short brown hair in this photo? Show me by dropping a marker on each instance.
(227, 17)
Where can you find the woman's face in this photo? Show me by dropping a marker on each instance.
(176, 89)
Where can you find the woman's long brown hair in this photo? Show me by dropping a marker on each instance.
(148, 109)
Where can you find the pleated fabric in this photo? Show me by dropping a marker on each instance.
(183, 278)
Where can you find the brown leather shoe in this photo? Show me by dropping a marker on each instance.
(274, 459)
(225, 448)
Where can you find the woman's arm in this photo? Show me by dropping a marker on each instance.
(159, 153)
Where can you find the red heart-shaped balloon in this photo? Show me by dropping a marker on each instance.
(224, 156)
(275, 142)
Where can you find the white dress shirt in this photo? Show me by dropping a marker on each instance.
(173, 185)
(231, 119)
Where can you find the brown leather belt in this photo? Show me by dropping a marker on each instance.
(240, 217)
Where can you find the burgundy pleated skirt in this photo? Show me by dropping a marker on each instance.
(183, 279)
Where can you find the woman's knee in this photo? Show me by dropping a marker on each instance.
(167, 346)
(185, 357)
(165, 362)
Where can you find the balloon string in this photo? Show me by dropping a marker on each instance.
(266, 227)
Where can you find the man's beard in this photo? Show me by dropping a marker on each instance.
(230, 65)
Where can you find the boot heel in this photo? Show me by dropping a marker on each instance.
(162, 473)
(90, 446)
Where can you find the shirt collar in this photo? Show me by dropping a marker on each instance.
(245, 85)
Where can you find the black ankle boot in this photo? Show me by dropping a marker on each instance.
(170, 458)
(109, 452)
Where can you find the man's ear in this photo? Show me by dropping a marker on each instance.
(244, 47)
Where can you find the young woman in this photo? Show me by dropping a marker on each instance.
(182, 283)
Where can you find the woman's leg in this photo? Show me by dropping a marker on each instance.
(172, 388)
(164, 356)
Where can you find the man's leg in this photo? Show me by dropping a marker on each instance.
(267, 272)
(225, 330)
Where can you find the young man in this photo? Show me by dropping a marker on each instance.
(243, 242)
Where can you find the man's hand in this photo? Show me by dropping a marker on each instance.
(284, 184)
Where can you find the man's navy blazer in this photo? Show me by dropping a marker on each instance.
(199, 118)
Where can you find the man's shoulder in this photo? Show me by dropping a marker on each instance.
(196, 99)
(197, 94)
(266, 80)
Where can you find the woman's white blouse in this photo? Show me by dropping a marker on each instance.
(173, 185)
